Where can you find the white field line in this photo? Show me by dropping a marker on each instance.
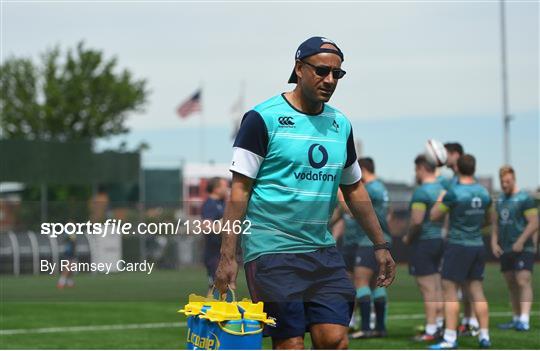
(85, 328)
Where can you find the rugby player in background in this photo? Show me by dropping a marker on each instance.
(515, 223)
(464, 256)
(360, 257)
(425, 239)
(469, 323)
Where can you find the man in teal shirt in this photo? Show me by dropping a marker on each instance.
(360, 258)
(464, 257)
(290, 156)
(454, 150)
(425, 239)
(514, 225)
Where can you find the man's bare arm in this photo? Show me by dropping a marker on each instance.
(415, 225)
(495, 247)
(439, 210)
(528, 232)
(235, 210)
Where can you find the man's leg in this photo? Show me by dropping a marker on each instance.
(428, 287)
(439, 302)
(451, 309)
(469, 323)
(476, 292)
(362, 278)
(379, 303)
(427, 255)
(451, 314)
(510, 278)
(523, 280)
(329, 336)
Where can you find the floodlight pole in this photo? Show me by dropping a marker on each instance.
(142, 205)
(504, 80)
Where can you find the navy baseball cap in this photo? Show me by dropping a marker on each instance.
(311, 47)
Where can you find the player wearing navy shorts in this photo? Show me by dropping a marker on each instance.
(469, 323)
(360, 257)
(464, 256)
(514, 225)
(425, 239)
(290, 156)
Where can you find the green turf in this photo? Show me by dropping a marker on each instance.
(29, 302)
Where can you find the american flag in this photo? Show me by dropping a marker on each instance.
(191, 105)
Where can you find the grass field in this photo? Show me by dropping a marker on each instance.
(138, 311)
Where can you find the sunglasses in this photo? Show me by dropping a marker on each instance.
(323, 71)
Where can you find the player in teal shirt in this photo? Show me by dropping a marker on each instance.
(290, 156)
(514, 225)
(425, 238)
(464, 257)
(454, 150)
(360, 258)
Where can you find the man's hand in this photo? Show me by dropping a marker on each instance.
(226, 273)
(496, 249)
(387, 268)
(518, 246)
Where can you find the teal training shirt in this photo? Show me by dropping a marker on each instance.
(511, 216)
(467, 204)
(424, 197)
(350, 232)
(354, 233)
(297, 162)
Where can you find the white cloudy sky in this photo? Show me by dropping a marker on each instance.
(406, 61)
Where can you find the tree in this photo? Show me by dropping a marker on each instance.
(80, 96)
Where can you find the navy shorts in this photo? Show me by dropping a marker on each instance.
(425, 258)
(301, 289)
(517, 261)
(461, 263)
(360, 256)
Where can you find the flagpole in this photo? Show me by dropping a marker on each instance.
(238, 109)
(202, 146)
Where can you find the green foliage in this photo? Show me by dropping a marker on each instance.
(80, 95)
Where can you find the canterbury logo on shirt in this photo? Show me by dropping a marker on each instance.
(286, 121)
